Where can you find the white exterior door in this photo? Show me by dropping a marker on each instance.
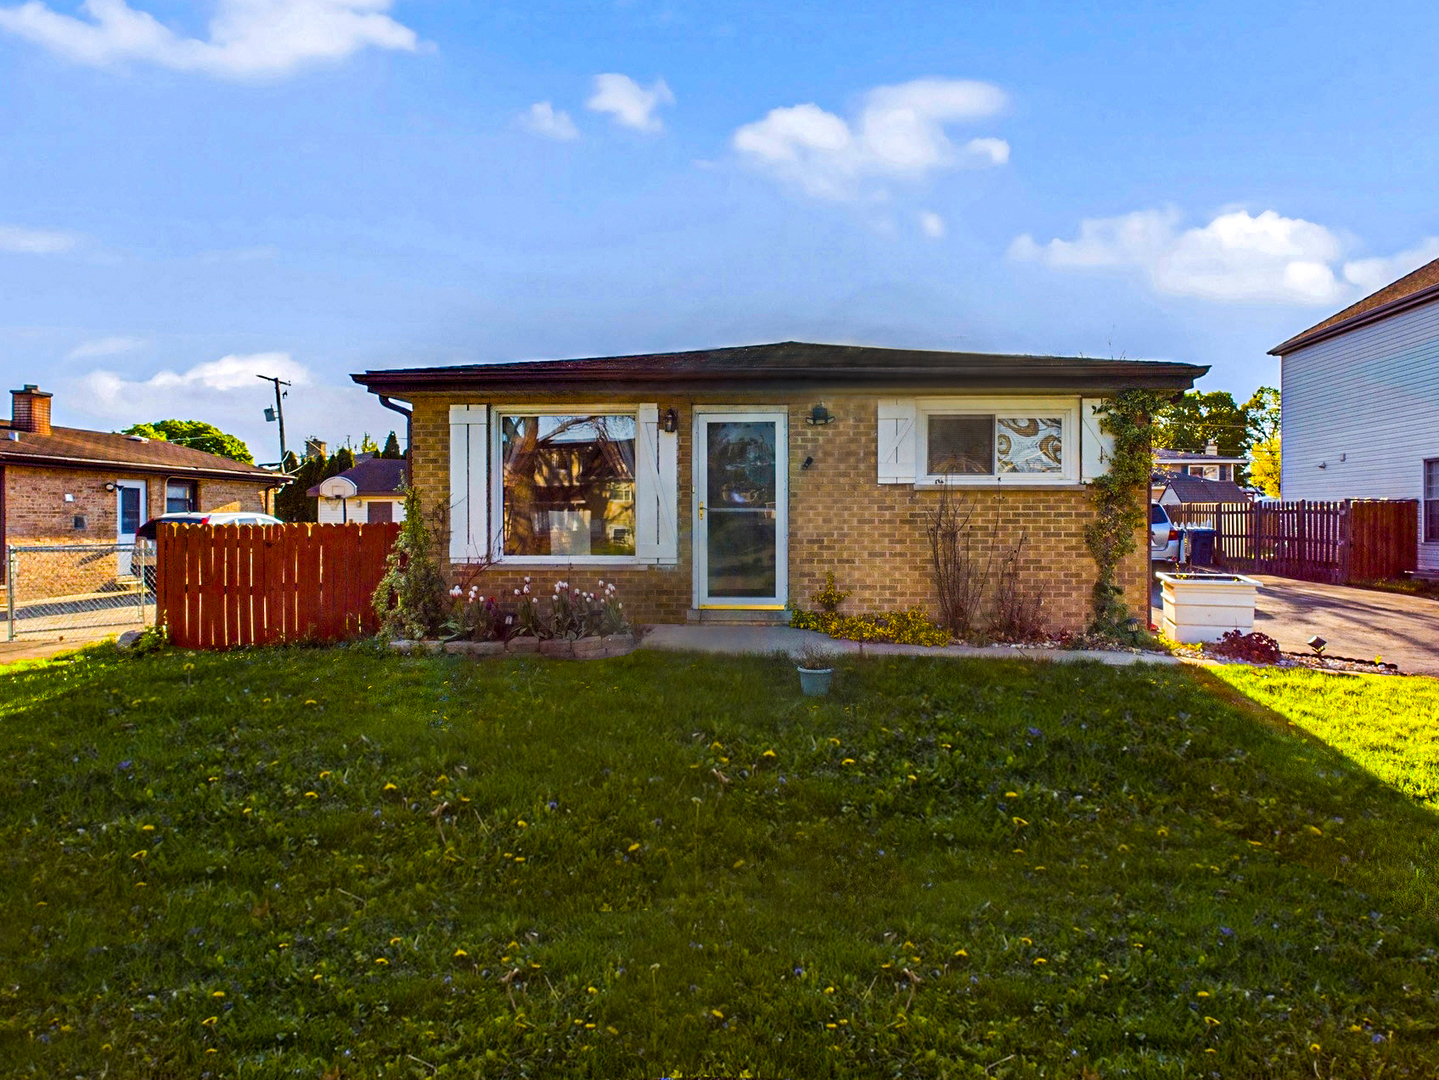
(129, 515)
(741, 509)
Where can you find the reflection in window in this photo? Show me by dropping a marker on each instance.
(961, 445)
(569, 485)
(180, 497)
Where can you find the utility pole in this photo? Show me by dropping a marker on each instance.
(278, 412)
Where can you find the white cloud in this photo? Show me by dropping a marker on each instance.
(1374, 273)
(1265, 257)
(248, 38)
(20, 241)
(109, 346)
(932, 225)
(628, 102)
(542, 118)
(105, 393)
(899, 131)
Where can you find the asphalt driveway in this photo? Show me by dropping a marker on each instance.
(1362, 623)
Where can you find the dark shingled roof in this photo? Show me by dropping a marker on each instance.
(373, 476)
(793, 364)
(1409, 291)
(1198, 489)
(78, 448)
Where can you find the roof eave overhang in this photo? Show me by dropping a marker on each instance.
(60, 462)
(1099, 379)
(1373, 315)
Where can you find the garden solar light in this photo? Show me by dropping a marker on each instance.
(1317, 643)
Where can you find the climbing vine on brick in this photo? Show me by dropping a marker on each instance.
(1120, 498)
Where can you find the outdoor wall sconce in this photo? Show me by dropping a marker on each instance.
(109, 487)
(672, 420)
(819, 415)
(807, 463)
(1317, 643)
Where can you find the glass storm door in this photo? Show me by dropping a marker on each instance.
(129, 513)
(740, 510)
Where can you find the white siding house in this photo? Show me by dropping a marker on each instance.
(1360, 404)
(372, 491)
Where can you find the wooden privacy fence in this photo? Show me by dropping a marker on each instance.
(1353, 540)
(218, 587)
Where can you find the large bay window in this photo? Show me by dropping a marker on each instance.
(567, 485)
(997, 441)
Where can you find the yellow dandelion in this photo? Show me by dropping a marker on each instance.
(768, 753)
(311, 701)
(395, 940)
(391, 787)
(1316, 831)
(460, 954)
(522, 824)
(717, 1014)
(591, 990)
(1163, 830)
(847, 761)
(613, 1030)
(633, 847)
(830, 989)
(209, 1021)
(1011, 794)
(519, 858)
(1123, 848)
(1202, 993)
(312, 794)
(1211, 1022)
(1040, 960)
(324, 773)
(1026, 941)
(147, 828)
(831, 1026)
(218, 994)
(833, 741)
(961, 952)
(1314, 1048)
(716, 745)
(140, 854)
(382, 961)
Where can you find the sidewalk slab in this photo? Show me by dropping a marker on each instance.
(786, 640)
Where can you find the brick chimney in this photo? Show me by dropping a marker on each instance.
(30, 410)
(1211, 448)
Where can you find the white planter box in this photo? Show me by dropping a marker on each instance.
(1204, 607)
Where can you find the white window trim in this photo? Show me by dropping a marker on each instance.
(497, 482)
(1066, 408)
(1424, 499)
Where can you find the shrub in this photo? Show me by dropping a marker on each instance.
(959, 574)
(410, 598)
(911, 627)
(1254, 648)
(1018, 613)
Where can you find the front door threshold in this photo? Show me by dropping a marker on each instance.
(738, 616)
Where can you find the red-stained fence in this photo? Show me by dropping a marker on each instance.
(218, 587)
(1336, 542)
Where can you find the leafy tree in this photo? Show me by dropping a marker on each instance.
(392, 448)
(368, 445)
(197, 435)
(1191, 422)
(292, 504)
(1262, 411)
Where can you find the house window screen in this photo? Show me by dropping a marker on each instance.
(1431, 501)
(180, 497)
(990, 445)
(569, 485)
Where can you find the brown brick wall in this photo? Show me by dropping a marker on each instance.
(36, 513)
(870, 534)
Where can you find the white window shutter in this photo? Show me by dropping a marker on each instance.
(647, 482)
(469, 489)
(1097, 444)
(896, 441)
(656, 488)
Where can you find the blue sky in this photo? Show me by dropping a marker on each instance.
(193, 193)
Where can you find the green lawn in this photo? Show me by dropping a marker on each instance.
(346, 864)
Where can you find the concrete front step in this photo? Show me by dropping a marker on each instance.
(736, 617)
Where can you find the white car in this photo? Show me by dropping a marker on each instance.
(1163, 536)
(205, 517)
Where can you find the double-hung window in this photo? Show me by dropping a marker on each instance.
(566, 484)
(181, 497)
(998, 442)
(1431, 501)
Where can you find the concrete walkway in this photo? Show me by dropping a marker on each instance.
(43, 646)
(769, 640)
(1360, 623)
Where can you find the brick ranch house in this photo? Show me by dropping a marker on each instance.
(725, 483)
(61, 485)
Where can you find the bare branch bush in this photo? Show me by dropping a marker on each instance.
(1017, 614)
(960, 575)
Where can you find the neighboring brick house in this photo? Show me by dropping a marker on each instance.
(725, 483)
(62, 485)
(372, 490)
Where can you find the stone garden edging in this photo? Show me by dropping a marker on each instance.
(586, 648)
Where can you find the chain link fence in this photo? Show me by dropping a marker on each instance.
(55, 588)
